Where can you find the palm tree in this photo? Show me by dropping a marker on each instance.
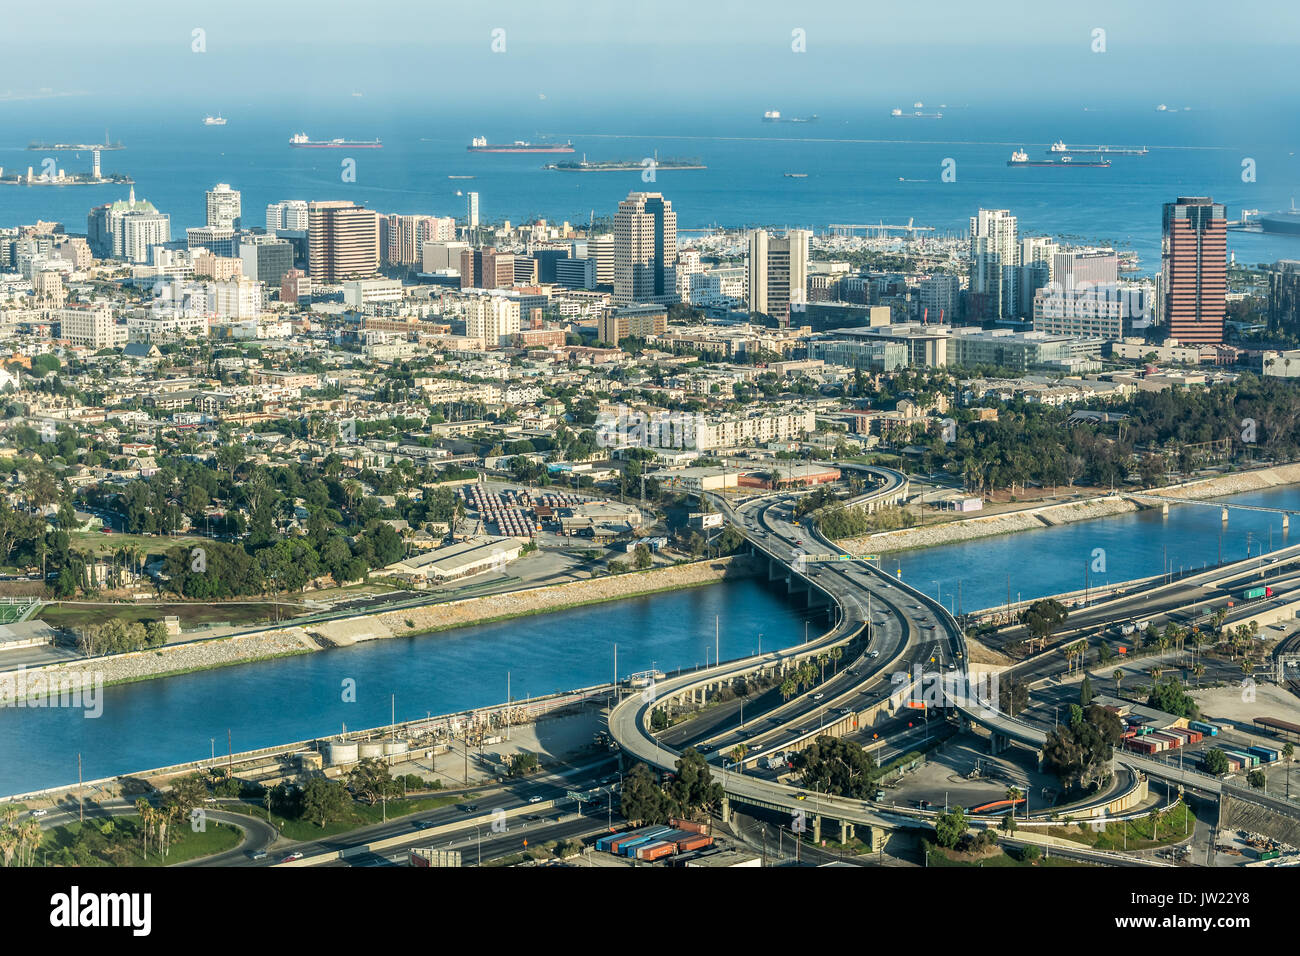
(1119, 679)
(1198, 670)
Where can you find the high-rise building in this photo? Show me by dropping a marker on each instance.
(342, 241)
(994, 258)
(471, 210)
(1085, 267)
(601, 248)
(266, 258)
(290, 214)
(492, 319)
(486, 269)
(439, 255)
(778, 273)
(1194, 270)
(106, 234)
(576, 273)
(223, 206)
(219, 240)
(940, 295)
(1284, 297)
(645, 250)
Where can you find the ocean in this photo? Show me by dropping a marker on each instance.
(862, 165)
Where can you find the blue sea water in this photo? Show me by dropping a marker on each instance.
(863, 165)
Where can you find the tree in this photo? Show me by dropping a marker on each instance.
(1119, 679)
(524, 764)
(370, 780)
(1216, 762)
(1008, 824)
(1079, 753)
(1085, 691)
(641, 557)
(950, 827)
(324, 800)
(1042, 619)
(1013, 696)
(642, 800)
(835, 766)
(1256, 779)
(694, 788)
(1170, 696)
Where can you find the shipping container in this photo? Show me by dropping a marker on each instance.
(1265, 754)
(1208, 730)
(603, 843)
(1243, 758)
(695, 842)
(655, 850)
(689, 826)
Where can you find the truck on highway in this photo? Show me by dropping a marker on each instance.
(1254, 594)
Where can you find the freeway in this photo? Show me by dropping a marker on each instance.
(923, 633)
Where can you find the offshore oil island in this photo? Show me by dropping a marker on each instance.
(53, 175)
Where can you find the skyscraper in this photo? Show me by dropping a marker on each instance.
(1194, 270)
(994, 258)
(290, 214)
(342, 240)
(471, 210)
(645, 250)
(223, 207)
(778, 272)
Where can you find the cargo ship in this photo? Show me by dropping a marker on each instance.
(616, 165)
(1021, 158)
(214, 121)
(1060, 147)
(1286, 221)
(302, 141)
(774, 116)
(479, 144)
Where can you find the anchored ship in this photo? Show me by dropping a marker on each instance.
(479, 144)
(1021, 158)
(214, 121)
(1060, 147)
(303, 141)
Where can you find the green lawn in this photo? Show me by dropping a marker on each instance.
(87, 844)
(191, 615)
(152, 544)
(1003, 858)
(359, 815)
(1139, 837)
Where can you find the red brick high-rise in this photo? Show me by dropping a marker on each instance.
(1194, 270)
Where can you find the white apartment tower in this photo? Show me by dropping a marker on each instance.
(223, 206)
(778, 272)
(492, 319)
(994, 259)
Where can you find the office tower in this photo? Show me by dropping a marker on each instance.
(486, 269)
(1085, 267)
(546, 260)
(1284, 297)
(401, 238)
(440, 255)
(778, 273)
(994, 256)
(219, 240)
(290, 214)
(342, 241)
(576, 273)
(1194, 270)
(525, 271)
(471, 210)
(223, 206)
(266, 258)
(645, 250)
(492, 319)
(601, 248)
(940, 295)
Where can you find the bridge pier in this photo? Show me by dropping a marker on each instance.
(817, 828)
(846, 831)
(1164, 510)
(724, 809)
(997, 742)
(1223, 516)
(1286, 521)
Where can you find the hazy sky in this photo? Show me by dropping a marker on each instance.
(1208, 51)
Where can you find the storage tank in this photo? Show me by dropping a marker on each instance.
(370, 748)
(341, 752)
(396, 747)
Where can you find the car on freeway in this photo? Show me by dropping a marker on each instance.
(534, 799)
(798, 541)
(532, 817)
(423, 824)
(845, 711)
(874, 654)
(39, 813)
(295, 855)
(801, 795)
(818, 696)
(470, 807)
(257, 855)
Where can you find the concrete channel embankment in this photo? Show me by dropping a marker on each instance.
(285, 640)
(1032, 517)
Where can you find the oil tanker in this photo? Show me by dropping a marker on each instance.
(302, 141)
(1021, 158)
(479, 144)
